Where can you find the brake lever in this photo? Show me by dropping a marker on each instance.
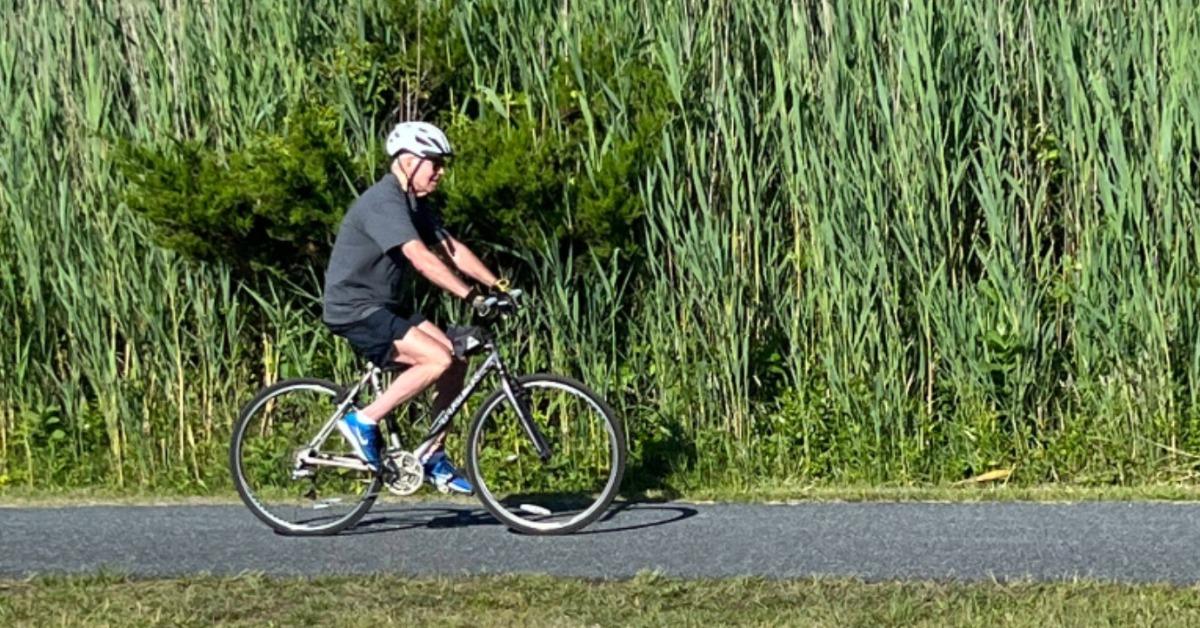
(511, 296)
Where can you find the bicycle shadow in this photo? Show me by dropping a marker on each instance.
(400, 518)
(680, 513)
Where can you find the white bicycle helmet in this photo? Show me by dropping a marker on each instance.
(419, 138)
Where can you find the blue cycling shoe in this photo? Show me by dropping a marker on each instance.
(442, 474)
(363, 437)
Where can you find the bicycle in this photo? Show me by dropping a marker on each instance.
(544, 453)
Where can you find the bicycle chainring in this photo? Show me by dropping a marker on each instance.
(404, 474)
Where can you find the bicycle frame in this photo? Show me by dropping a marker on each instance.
(310, 453)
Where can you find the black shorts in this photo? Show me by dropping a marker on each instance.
(372, 337)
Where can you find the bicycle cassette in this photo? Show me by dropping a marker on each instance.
(403, 473)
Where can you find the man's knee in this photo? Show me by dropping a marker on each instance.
(433, 358)
(442, 360)
(419, 349)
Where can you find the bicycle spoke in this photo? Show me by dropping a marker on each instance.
(276, 473)
(574, 484)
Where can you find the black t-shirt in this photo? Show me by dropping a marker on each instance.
(361, 277)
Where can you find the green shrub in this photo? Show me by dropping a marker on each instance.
(273, 205)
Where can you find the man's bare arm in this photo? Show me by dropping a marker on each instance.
(433, 269)
(467, 262)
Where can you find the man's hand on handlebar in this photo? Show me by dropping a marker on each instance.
(500, 300)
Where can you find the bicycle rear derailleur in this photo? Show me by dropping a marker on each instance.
(403, 473)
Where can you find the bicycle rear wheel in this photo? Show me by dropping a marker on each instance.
(575, 485)
(265, 458)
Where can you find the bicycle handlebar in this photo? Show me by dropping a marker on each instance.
(500, 304)
(495, 299)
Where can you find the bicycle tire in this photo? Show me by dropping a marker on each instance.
(247, 492)
(506, 513)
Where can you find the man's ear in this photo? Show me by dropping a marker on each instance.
(402, 160)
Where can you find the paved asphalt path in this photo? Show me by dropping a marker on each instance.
(1136, 542)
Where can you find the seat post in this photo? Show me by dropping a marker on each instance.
(374, 372)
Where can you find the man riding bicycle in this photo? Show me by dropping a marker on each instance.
(385, 234)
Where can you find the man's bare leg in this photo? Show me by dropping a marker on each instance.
(448, 386)
(428, 360)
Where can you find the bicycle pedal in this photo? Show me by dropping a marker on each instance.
(300, 474)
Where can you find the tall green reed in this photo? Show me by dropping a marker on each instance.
(884, 242)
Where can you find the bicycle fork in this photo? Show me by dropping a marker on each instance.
(519, 397)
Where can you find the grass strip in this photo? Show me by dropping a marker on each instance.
(648, 599)
(775, 493)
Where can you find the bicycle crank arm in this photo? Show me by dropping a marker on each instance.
(335, 461)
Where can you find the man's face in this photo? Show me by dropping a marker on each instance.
(423, 173)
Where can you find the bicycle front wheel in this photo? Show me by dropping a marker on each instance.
(570, 489)
(274, 470)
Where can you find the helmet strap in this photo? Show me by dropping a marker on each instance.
(406, 181)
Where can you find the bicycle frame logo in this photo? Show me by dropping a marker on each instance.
(493, 362)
